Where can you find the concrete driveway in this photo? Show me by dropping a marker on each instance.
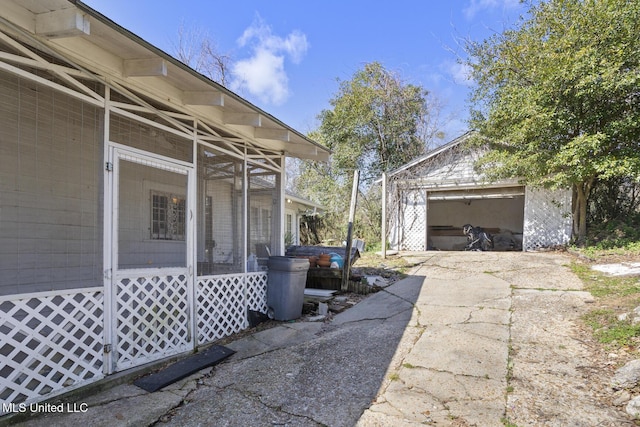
(495, 341)
(469, 339)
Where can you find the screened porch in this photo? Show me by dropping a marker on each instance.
(139, 202)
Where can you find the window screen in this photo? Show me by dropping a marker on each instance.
(50, 189)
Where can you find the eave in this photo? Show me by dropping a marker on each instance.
(90, 39)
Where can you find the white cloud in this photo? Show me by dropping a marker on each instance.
(461, 73)
(476, 6)
(263, 74)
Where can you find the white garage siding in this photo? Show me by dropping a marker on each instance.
(414, 221)
(547, 218)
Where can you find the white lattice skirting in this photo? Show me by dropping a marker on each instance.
(223, 301)
(152, 318)
(50, 342)
(53, 342)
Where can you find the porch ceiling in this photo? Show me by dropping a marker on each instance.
(105, 48)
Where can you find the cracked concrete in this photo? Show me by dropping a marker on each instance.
(469, 339)
(457, 368)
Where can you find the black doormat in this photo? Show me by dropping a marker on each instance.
(183, 368)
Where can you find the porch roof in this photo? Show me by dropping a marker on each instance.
(95, 42)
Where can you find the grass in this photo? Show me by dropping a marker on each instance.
(603, 286)
(600, 250)
(615, 295)
(393, 267)
(609, 329)
(394, 376)
(508, 423)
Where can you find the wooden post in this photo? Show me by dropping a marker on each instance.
(352, 213)
(384, 215)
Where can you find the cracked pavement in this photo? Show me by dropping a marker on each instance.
(468, 339)
(456, 369)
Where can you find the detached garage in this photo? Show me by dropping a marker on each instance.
(430, 199)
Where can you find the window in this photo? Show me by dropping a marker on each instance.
(167, 216)
(289, 237)
(265, 231)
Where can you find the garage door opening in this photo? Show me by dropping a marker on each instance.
(500, 211)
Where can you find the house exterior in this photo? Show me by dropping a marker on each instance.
(133, 191)
(295, 208)
(432, 197)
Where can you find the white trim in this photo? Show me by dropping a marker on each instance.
(32, 59)
(19, 72)
(149, 272)
(192, 252)
(107, 243)
(155, 160)
(245, 213)
(118, 153)
(192, 249)
(45, 294)
(184, 132)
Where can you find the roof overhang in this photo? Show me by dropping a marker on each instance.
(98, 44)
(305, 203)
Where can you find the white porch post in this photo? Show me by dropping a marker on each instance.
(280, 227)
(245, 209)
(107, 261)
(192, 249)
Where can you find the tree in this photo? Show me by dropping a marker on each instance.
(377, 123)
(195, 48)
(557, 98)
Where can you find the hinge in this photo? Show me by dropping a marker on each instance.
(109, 166)
(106, 348)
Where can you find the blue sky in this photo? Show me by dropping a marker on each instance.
(287, 55)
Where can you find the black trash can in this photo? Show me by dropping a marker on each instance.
(286, 281)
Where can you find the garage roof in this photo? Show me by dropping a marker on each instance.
(459, 140)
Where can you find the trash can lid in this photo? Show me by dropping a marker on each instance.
(287, 263)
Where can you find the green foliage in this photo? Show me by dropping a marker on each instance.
(614, 219)
(623, 234)
(557, 97)
(508, 423)
(288, 239)
(608, 329)
(375, 123)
